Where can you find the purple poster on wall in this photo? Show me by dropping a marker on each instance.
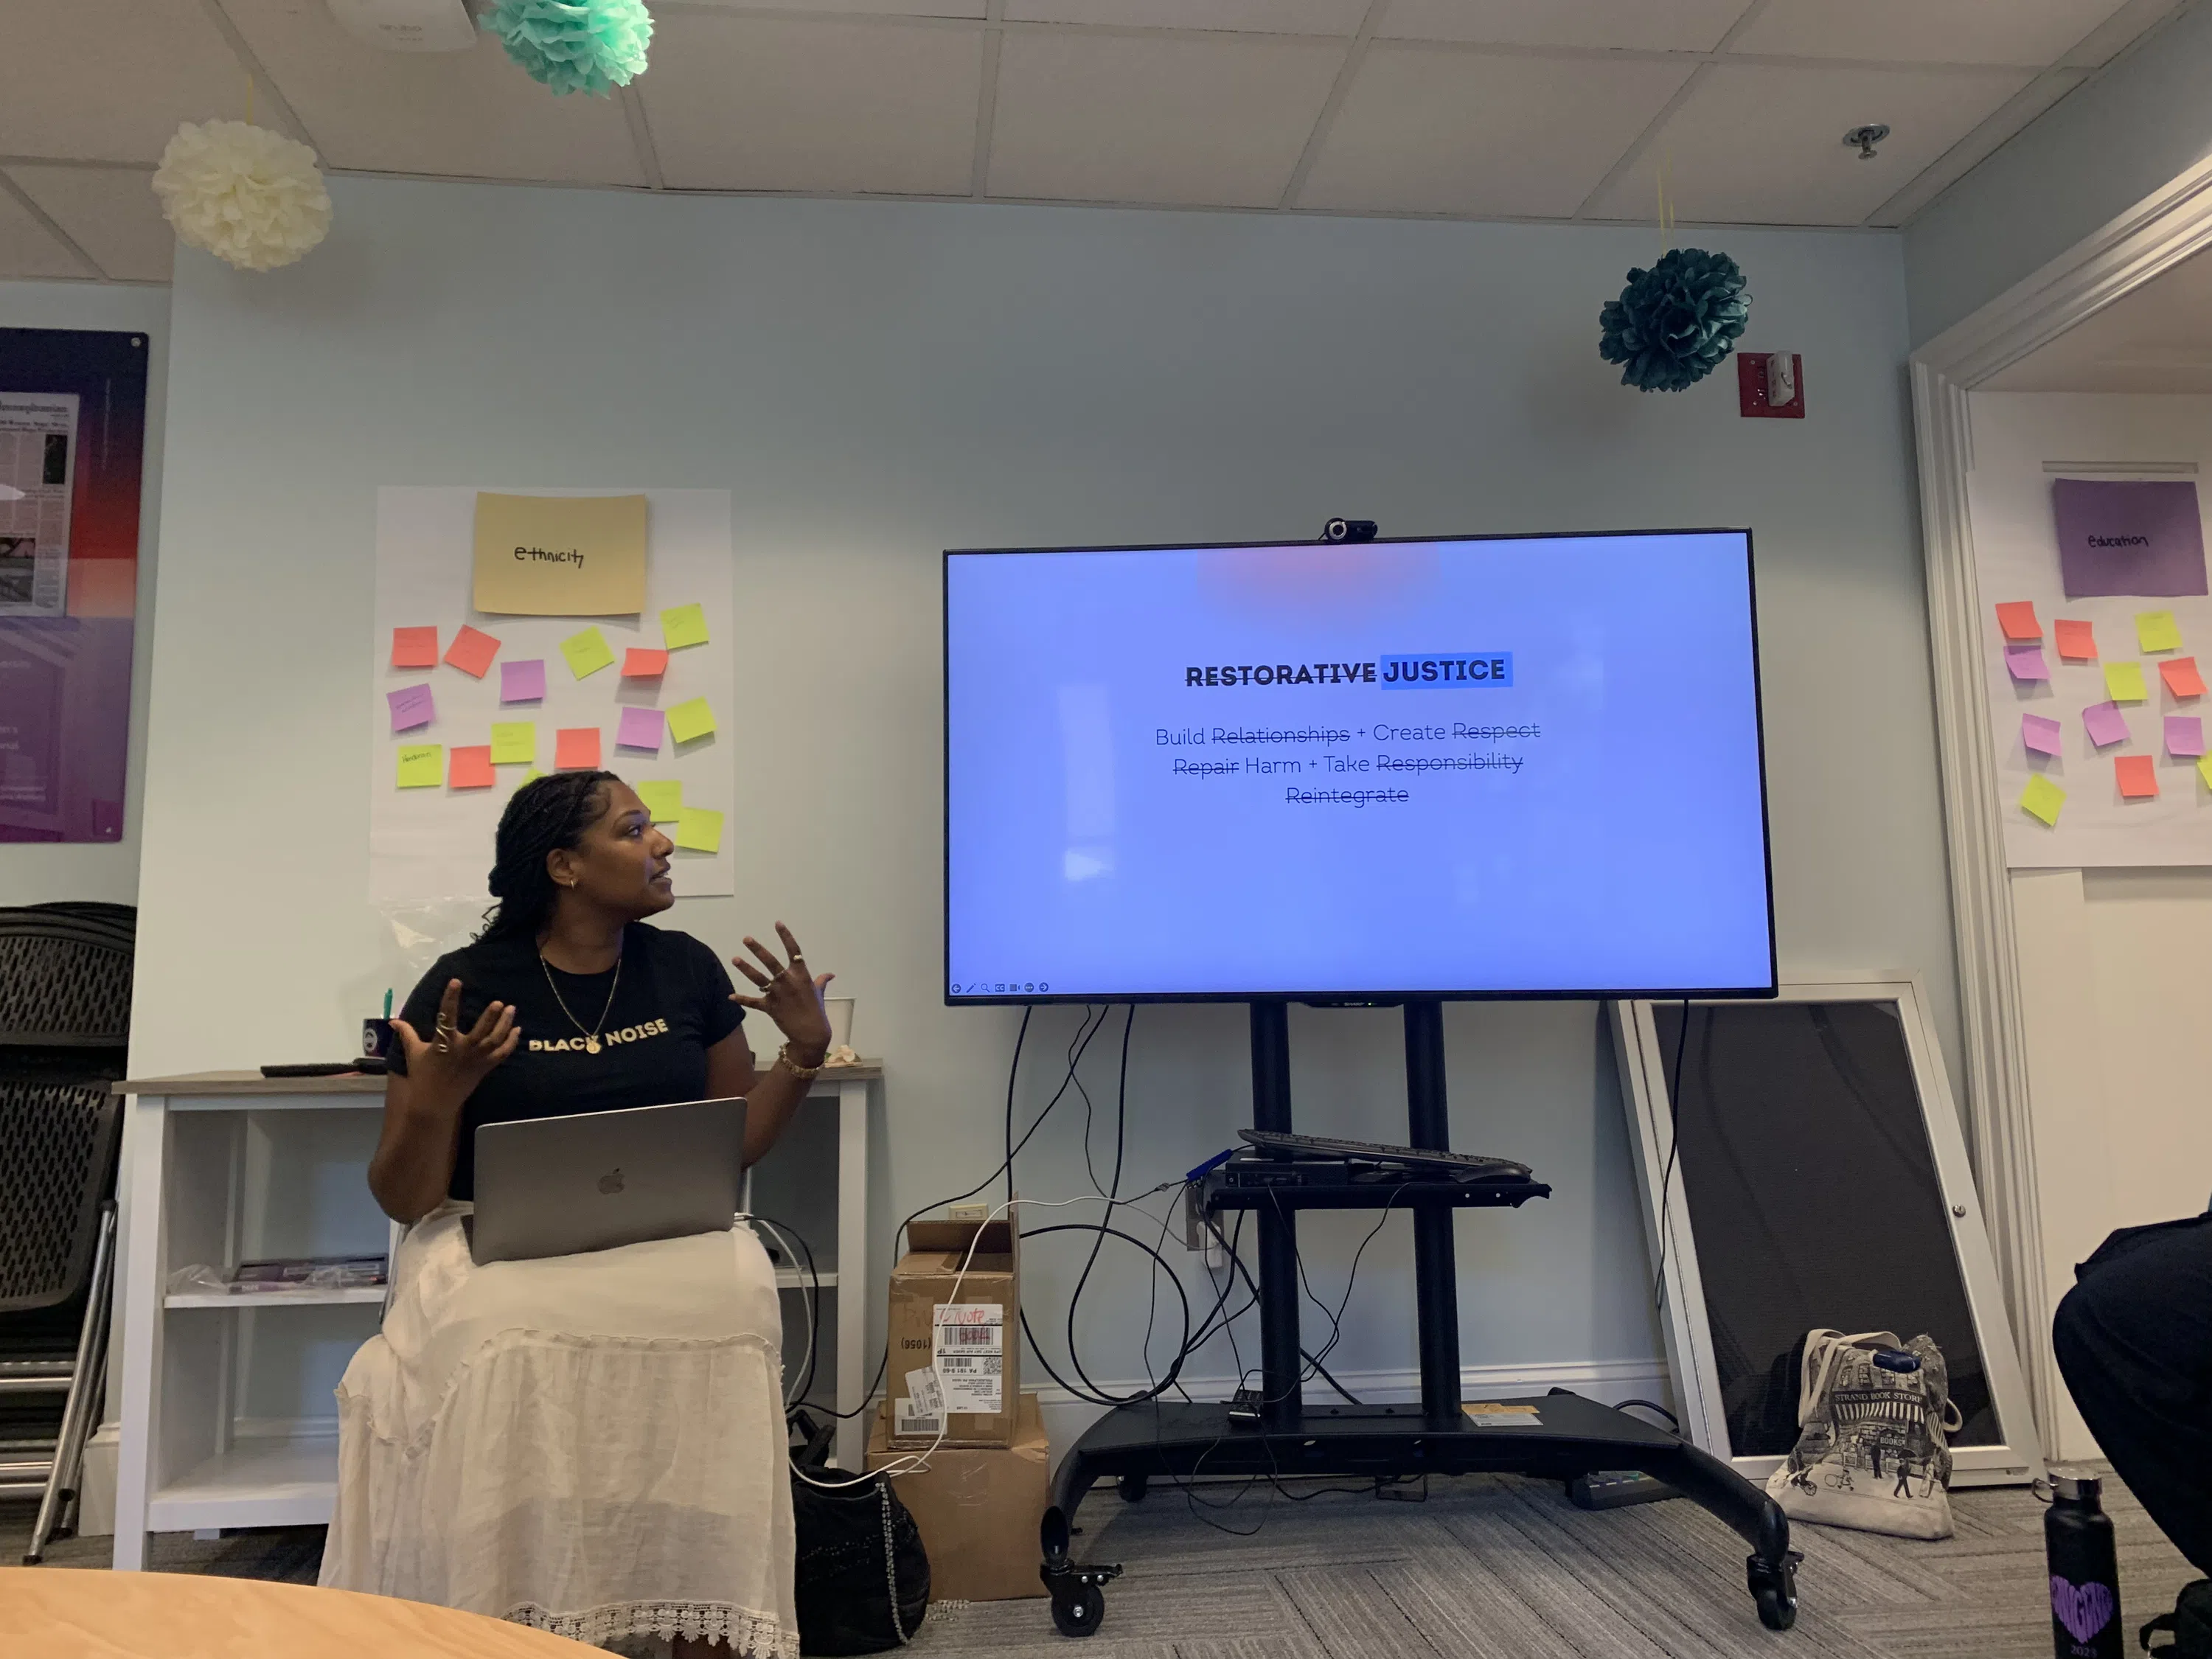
(2119, 538)
(72, 449)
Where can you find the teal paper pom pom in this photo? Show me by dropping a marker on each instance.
(591, 45)
(1674, 324)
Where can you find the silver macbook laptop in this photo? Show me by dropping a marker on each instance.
(556, 1186)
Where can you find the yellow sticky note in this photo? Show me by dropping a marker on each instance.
(2204, 769)
(693, 719)
(422, 765)
(2156, 630)
(2124, 681)
(663, 797)
(2042, 798)
(699, 829)
(686, 624)
(587, 653)
(513, 743)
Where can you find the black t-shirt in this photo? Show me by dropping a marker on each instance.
(671, 1003)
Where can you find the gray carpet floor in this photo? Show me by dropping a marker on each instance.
(1487, 1568)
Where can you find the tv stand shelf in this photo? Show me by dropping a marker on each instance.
(1319, 1191)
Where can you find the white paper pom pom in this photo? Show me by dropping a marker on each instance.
(248, 196)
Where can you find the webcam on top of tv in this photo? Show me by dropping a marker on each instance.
(1348, 529)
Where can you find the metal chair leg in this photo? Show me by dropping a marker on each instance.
(86, 1379)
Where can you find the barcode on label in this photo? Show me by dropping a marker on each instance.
(912, 1422)
(970, 1365)
(972, 1336)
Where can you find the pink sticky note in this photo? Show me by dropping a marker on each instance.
(577, 747)
(2039, 734)
(2025, 662)
(640, 729)
(471, 652)
(2105, 723)
(641, 664)
(522, 682)
(411, 707)
(2137, 774)
(2185, 735)
(469, 768)
(2017, 618)
(2077, 641)
(2181, 677)
(414, 647)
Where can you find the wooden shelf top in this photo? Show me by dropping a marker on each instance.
(356, 1082)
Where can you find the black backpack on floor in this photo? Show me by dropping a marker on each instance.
(2191, 1621)
(862, 1577)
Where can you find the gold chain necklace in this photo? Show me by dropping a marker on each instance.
(591, 1038)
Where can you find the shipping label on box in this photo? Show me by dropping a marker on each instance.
(968, 1352)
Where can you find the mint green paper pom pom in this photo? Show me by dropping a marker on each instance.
(591, 45)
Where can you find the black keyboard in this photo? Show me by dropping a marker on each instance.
(1277, 1144)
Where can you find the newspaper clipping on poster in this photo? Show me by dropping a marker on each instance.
(38, 449)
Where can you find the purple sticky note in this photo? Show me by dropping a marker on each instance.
(2105, 723)
(2025, 662)
(640, 729)
(2185, 734)
(2039, 734)
(411, 707)
(2122, 537)
(522, 682)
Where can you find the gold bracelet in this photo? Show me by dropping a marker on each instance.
(802, 1072)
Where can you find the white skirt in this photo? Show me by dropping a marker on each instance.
(591, 1445)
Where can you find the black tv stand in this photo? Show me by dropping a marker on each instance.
(1133, 1445)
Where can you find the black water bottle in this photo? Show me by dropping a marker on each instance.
(2085, 1572)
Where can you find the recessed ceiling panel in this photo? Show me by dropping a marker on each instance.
(1460, 132)
(1103, 117)
(1623, 25)
(111, 213)
(109, 80)
(767, 103)
(1264, 16)
(2030, 32)
(27, 248)
(1762, 144)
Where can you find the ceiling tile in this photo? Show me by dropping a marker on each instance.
(1978, 146)
(110, 212)
(767, 103)
(111, 78)
(1217, 122)
(971, 8)
(472, 114)
(1424, 131)
(27, 248)
(2033, 33)
(1762, 144)
(1639, 25)
(1262, 16)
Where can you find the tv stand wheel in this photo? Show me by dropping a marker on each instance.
(1133, 1487)
(1774, 1587)
(1079, 1611)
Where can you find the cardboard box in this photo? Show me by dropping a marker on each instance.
(972, 1342)
(978, 1508)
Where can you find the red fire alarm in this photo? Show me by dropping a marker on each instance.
(1770, 386)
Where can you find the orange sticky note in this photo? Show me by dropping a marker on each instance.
(414, 647)
(640, 664)
(469, 768)
(471, 652)
(2138, 775)
(2077, 641)
(2181, 677)
(2017, 618)
(577, 746)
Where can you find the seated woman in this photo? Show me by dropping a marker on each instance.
(592, 1444)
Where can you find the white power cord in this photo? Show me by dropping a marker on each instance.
(806, 1293)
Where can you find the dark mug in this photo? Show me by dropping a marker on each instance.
(376, 1037)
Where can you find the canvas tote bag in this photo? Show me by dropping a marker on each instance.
(1873, 1416)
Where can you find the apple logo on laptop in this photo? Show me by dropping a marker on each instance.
(611, 1182)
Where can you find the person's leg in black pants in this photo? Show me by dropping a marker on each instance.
(2134, 1341)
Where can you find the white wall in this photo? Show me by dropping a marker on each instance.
(32, 873)
(875, 381)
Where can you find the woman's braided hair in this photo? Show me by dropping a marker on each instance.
(545, 815)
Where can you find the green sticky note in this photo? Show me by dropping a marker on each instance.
(587, 652)
(684, 625)
(422, 765)
(2124, 681)
(693, 719)
(663, 797)
(513, 743)
(2156, 630)
(699, 829)
(2042, 798)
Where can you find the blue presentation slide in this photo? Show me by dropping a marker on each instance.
(1510, 765)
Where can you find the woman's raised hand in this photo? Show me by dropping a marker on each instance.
(458, 1059)
(789, 995)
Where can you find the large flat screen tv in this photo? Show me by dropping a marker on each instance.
(1496, 766)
